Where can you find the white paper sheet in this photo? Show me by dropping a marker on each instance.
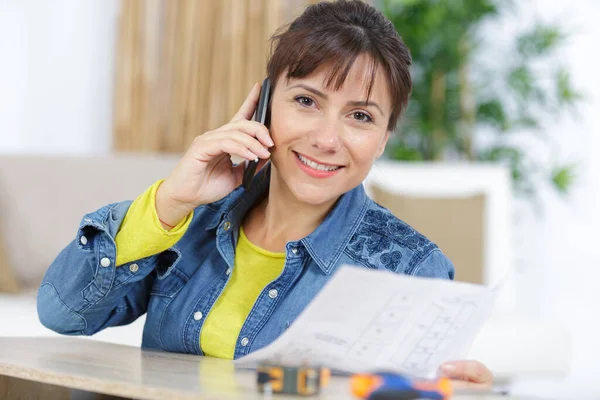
(365, 320)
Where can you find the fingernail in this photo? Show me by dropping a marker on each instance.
(448, 368)
(271, 142)
(266, 153)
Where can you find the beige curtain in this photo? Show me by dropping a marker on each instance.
(185, 66)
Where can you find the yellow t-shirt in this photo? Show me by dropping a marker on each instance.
(142, 235)
(253, 269)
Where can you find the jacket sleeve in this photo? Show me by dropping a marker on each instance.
(435, 265)
(84, 292)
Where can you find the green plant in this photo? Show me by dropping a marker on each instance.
(454, 96)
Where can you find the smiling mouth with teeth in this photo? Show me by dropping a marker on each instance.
(317, 166)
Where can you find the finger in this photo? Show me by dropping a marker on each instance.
(471, 371)
(232, 147)
(248, 141)
(249, 105)
(212, 144)
(228, 146)
(252, 128)
(461, 385)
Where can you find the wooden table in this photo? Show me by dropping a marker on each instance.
(70, 368)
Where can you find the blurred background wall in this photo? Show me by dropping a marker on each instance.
(57, 80)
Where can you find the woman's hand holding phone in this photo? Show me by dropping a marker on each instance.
(205, 173)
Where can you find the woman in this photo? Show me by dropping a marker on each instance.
(222, 271)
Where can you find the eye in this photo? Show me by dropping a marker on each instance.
(362, 117)
(305, 101)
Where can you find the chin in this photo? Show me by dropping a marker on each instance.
(315, 195)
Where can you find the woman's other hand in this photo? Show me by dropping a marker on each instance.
(468, 374)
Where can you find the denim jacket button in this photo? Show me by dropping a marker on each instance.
(83, 240)
(228, 271)
(197, 315)
(245, 341)
(105, 262)
(295, 250)
(227, 225)
(134, 268)
(273, 293)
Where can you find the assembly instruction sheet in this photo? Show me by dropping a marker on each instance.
(364, 320)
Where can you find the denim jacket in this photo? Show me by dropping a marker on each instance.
(83, 293)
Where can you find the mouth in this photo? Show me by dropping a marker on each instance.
(316, 168)
(314, 164)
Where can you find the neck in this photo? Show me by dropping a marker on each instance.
(281, 218)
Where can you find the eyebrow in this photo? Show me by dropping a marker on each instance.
(356, 103)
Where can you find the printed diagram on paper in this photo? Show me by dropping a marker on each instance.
(365, 320)
(422, 346)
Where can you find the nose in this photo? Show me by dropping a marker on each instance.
(327, 136)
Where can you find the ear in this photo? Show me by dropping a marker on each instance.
(381, 147)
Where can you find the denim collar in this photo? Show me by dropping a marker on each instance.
(326, 243)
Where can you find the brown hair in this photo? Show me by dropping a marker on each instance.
(338, 32)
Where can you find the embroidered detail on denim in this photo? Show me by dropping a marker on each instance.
(378, 241)
(378, 244)
(376, 217)
(391, 260)
(357, 244)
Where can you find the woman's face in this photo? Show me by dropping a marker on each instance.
(326, 141)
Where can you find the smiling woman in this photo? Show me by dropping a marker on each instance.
(326, 140)
(223, 271)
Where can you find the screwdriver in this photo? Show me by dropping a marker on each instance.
(392, 386)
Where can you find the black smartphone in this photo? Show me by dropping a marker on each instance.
(262, 114)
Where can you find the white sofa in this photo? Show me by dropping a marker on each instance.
(42, 200)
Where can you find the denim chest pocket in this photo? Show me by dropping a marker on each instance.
(169, 284)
